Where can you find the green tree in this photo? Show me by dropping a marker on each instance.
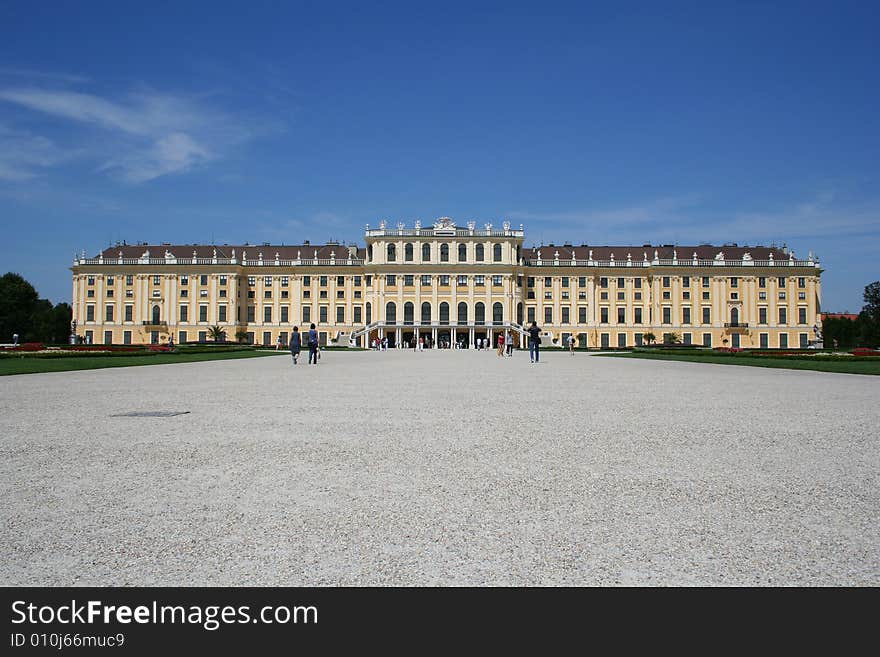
(216, 333)
(18, 303)
(846, 332)
(869, 318)
(649, 337)
(241, 335)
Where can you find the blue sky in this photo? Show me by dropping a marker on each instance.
(606, 124)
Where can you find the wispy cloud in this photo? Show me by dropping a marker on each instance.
(23, 155)
(149, 134)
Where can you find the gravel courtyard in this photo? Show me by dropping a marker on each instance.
(440, 468)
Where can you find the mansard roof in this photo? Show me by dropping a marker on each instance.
(285, 252)
(665, 252)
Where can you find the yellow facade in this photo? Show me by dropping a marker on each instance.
(448, 285)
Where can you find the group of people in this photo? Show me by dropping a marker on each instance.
(312, 343)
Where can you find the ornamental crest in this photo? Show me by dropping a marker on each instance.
(444, 223)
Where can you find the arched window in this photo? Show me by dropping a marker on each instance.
(426, 313)
(462, 252)
(444, 313)
(444, 253)
(408, 313)
(408, 252)
(734, 316)
(390, 313)
(496, 253)
(369, 312)
(480, 313)
(519, 313)
(426, 252)
(157, 314)
(479, 252)
(369, 253)
(392, 253)
(497, 313)
(462, 313)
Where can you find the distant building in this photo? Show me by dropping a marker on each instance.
(449, 284)
(852, 316)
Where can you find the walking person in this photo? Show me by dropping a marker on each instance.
(534, 343)
(278, 343)
(313, 345)
(295, 344)
(509, 339)
(500, 345)
(571, 344)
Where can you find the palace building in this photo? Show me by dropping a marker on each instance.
(448, 284)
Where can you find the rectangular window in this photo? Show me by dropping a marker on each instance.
(802, 282)
(638, 316)
(802, 315)
(566, 311)
(285, 314)
(762, 281)
(781, 283)
(203, 336)
(426, 280)
(184, 314)
(605, 339)
(307, 294)
(307, 281)
(783, 340)
(340, 314)
(496, 281)
(223, 294)
(638, 282)
(734, 281)
(221, 313)
(129, 280)
(223, 280)
(157, 280)
(582, 315)
(267, 338)
(479, 281)
(108, 313)
(357, 314)
(707, 339)
(666, 281)
(686, 295)
(686, 338)
(251, 314)
(462, 280)
(307, 314)
(764, 340)
(762, 315)
(252, 280)
(204, 279)
(621, 296)
(184, 280)
(267, 314)
(705, 281)
(783, 315)
(111, 281)
(548, 282)
(530, 314)
(667, 315)
(108, 337)
(129, 313)
(582, 281)
(340, 281)
(603, 281)
(621, 282)
(357, 281)
(203, 313)
(603, 296)
(444, 279)
(667, 295)
(637, 296)
(391, 280)
(621, 339)
(548, 314)
(621, 315)
(408, 280)
(548, 294)
(530, 281)
(126, 337)
(369, 281)
(685, 315)
(322, 314)
(685, 281)
(705, 296)
(603, 315)
(640, 339)
(90, 313)
(340, 294)
(565, 281)
(322, 281)
(804, 340)
(707, 315)
(734, 296)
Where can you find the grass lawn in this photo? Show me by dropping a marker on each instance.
(11, 365)
(813, 363)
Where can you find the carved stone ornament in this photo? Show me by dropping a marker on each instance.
(444, 223)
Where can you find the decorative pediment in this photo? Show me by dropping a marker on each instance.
(444, 223)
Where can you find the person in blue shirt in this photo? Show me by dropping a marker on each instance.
(295, 343)
(313, 345)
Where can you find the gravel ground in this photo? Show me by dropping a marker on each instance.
(440, 468)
